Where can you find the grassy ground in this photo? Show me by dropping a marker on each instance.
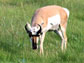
(15, 46)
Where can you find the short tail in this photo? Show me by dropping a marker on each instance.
(67, 11)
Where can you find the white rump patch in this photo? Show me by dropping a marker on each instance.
(53, 21)
(67, 11)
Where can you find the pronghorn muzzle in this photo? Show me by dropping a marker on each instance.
(34, 43)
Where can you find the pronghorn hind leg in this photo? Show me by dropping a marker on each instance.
(62, 34)
(64, 40)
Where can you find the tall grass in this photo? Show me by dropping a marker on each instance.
(15, 46)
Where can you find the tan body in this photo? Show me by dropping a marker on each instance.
(46, 15)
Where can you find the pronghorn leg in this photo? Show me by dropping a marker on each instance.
(64, 36)
(62, 33)
(41, 42)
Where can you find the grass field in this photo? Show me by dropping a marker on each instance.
(15, 46)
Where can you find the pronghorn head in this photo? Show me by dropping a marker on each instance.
(33, 32)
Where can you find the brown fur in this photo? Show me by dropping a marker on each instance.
(42, 14)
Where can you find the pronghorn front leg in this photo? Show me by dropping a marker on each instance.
(41, 42)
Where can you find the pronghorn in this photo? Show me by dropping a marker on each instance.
(48, 18)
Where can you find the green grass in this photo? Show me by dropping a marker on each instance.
(15, 46)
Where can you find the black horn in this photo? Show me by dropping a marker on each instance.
(40, 30)
(28, 31)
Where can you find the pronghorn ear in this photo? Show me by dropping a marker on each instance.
(28, 25)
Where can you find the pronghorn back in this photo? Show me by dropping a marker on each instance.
(42, 14)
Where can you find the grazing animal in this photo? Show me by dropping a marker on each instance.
(48, 18)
